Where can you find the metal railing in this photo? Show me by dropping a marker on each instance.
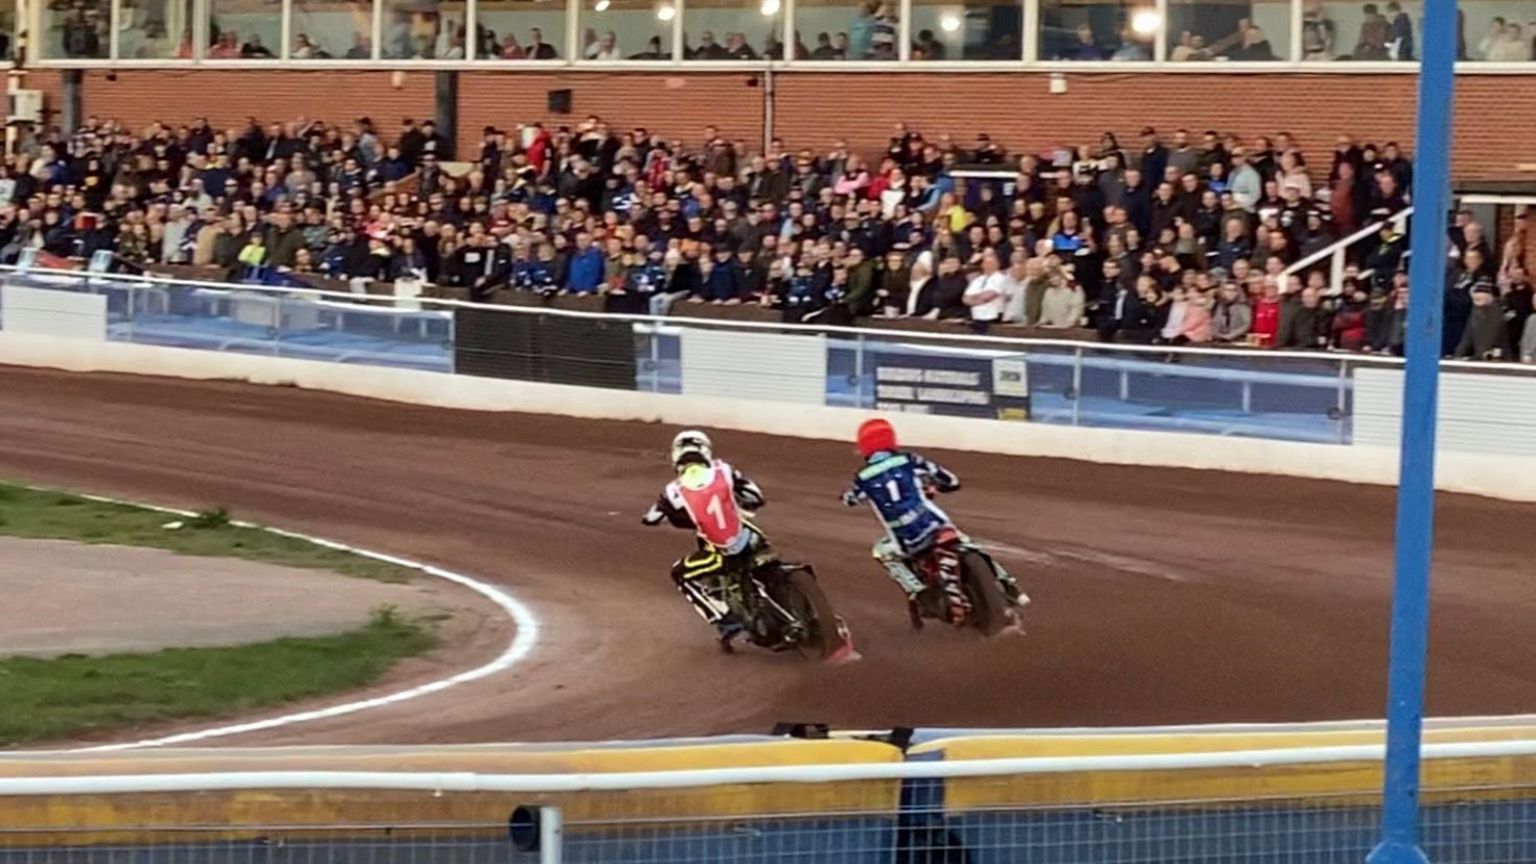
(1314, 804)
(1337, 254)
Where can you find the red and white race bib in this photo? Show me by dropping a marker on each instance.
(710, 497)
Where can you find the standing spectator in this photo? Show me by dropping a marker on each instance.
(1246, 183)
(985, 294)
(1400, 42)
(1515, 295)
(1086, 47)
(1119, 311)
(1484, 337)
(1375, 32)
(585, 273)
(1062, 306)
(283, 240)
(1464, 279)
(949, 291)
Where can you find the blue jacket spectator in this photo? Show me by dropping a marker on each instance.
(723, 281)
(586, 271)
(533, 274)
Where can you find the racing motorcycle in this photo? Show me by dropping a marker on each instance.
(989, 598)
(779, 604)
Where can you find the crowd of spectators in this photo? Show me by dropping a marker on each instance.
(1187, 239)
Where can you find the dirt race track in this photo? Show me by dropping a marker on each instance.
(1160, 596)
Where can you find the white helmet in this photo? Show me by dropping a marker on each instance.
(691, 443)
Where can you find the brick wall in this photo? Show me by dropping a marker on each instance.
(1492, 129)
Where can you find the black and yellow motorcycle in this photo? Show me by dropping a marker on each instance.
(777, 604)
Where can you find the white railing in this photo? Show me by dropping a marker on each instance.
(617, 781)
(1339, 250)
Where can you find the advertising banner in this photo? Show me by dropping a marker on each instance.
(996, 387)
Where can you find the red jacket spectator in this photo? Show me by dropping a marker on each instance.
(1349, 322)
(538, 150)
(1266, 320)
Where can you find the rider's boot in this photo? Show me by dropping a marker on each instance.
(726, 631)
(915, 613)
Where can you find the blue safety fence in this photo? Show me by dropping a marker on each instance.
(300, 325)
(1237, 393)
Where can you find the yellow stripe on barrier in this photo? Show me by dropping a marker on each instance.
(1020, 746)
(134, 818)
(1333, 782)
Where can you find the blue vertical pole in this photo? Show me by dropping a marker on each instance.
(1416, 476)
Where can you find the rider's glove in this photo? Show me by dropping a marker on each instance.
(851, 498)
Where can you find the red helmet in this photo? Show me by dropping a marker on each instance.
(875, 436)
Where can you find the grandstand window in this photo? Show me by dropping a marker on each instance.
(841, 30)
(423, 30)
(1355, 31)
(733, 29)
(244, 30)
(7, 30)
(626, 29)
(967, 30)
(1494, 31)
(520, 30)
(155, 30)
(332, 30)
(1087, 31)
(1235, 30)
(76, 29)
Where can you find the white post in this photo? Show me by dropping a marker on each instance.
(551, 836)
(1336, 277)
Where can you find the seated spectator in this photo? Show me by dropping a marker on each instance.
(1265, 332)
(1231, 317)
(1086, 47)
(1349, 320)
(1304, 323)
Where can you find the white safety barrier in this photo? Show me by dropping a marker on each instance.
(572, 782)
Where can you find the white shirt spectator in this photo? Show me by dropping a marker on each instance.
(990, 309)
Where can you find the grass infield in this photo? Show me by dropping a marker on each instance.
(54, 698)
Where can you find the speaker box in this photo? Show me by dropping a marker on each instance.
(559, 101)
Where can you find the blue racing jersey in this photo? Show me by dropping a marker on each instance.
(896, 485)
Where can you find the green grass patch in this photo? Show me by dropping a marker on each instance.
(60, 516)
(48, 699)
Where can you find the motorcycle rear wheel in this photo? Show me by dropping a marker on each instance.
(990, 610)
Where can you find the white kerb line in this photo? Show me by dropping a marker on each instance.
(619, 781)
(526, 636)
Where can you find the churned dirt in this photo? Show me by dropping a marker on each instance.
(1161, 596)
(62, 597)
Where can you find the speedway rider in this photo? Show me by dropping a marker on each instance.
(897, 484)
(709, 497)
